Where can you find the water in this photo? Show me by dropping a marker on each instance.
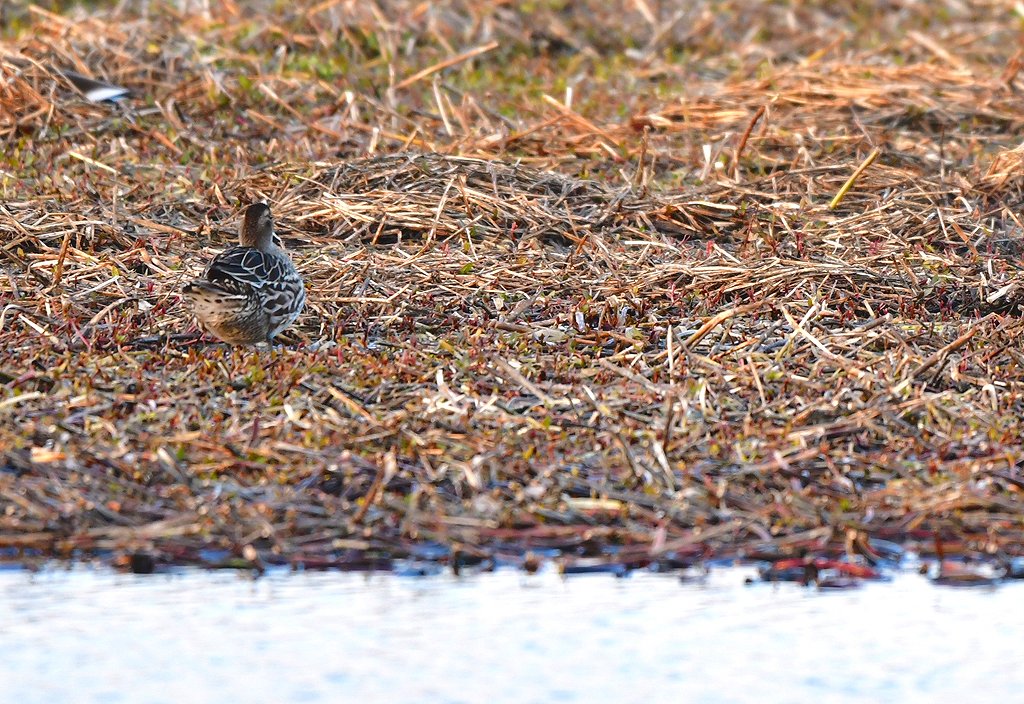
(95, 636)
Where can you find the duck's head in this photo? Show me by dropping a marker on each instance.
(257, 227)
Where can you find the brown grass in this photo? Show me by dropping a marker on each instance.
(611, 281)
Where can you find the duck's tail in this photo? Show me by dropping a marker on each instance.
(210, 298)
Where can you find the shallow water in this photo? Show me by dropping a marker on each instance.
(95, 636)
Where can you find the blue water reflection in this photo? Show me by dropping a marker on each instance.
(95, 636)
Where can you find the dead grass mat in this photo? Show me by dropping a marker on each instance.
(770, 307)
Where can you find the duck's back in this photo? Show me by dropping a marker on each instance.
(247, 295)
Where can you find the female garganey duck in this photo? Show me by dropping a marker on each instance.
(251, 292)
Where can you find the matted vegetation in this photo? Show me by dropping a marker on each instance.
(585, 281)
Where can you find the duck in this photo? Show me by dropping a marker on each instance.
(251, 292)
(96, 91)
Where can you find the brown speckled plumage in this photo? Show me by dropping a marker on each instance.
(250, 292)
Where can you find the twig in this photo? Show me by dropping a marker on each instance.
(853, 178)
(447, 63)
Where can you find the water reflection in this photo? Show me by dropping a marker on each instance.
(96, 636)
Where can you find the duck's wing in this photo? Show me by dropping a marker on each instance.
(242, 268)
(261, 288)
(96, 91)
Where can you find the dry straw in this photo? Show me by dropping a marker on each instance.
(654, 312)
